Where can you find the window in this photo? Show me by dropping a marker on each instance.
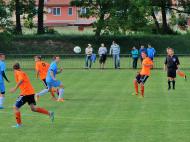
(57, 11)
(83, 10)
(70, 11)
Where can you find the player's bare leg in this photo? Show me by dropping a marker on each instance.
(2, 96)
(61, 92)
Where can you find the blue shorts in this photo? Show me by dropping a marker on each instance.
(2, 88)
(56, 83)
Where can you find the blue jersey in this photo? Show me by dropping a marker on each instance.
(52, 68)
(151, 52)
(2, 68)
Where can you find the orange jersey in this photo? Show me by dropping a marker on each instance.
(146, 66)
(42, 68)
(26, 88)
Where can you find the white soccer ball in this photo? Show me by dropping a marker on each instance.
(77, 49)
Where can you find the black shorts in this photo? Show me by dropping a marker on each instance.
(25, 99)
(141, 78)
(171, 73)
(103, 58)
(45, 83)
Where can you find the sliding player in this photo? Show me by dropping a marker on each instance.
(2, 77)
(51, 80)
(26, 95)
(179, 72)
(41, 68)
(171, 65)
(142, 77)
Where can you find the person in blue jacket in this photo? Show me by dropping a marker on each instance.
(135, 56)
(151, 52)
(142, 49)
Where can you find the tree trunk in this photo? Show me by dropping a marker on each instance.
(41, 17)
(155, 20)
(165, 27)
(18, 29)
(100, 25)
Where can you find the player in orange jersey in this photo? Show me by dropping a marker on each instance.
(41, 68)
(26, 95)
(143, 75)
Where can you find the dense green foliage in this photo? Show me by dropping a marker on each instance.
(63, 44)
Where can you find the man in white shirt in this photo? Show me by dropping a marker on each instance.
(88, 52)
(115, 51)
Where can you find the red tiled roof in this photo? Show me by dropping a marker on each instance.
(57, 2)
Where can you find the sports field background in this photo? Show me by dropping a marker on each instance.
(99, 107)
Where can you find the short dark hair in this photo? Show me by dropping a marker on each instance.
(55, 56)
(144, 52)
(38, 56)
(1, 54)
(16, 66)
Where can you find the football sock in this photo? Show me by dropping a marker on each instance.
(52, 92)
(18, 118)
(41, 110)
(61, 91)
(173, 82)
(181, 74)
(1, 101)
(169, 84)
(136, 87)
(142, 90)
(43, 92)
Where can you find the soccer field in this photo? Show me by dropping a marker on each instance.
(99, 107)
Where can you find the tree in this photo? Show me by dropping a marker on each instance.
(41, 17)
(96, 8)
(22, 7)
(5, 14)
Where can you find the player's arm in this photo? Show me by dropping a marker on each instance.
(60, 70)
(177, 62)
(37, 74)
(16, 87)
(165, 64)
(52, 75)
(4, 76)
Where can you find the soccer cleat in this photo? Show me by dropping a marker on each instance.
(60, 100)
(51, 115)
(134, 94)
(1, 107)
(185, 78)
(17, 126)
(141, 97)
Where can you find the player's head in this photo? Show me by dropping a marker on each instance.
(89, 45)
(113, 42)
(2, 56)
(142, 46)
(170, 51)
(143, 55)
(56, 58)
(133, 48)
(37, 58)
(16, 66)
(102, 45)
(149, 46)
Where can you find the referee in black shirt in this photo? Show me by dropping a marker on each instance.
(171, 65)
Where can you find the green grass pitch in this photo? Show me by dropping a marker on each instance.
(99, 107)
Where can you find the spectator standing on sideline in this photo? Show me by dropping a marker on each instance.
(142, 49)
(88, 52)
(115, 51)
(103, 55)
(151, 52)
(135, 56)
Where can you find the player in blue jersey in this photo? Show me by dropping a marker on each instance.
(2, 77)
(51, 80)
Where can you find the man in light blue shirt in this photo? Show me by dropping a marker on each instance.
(51, 80)
(135, 56)
(151, 52)
(115, 51)
(2, 77)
